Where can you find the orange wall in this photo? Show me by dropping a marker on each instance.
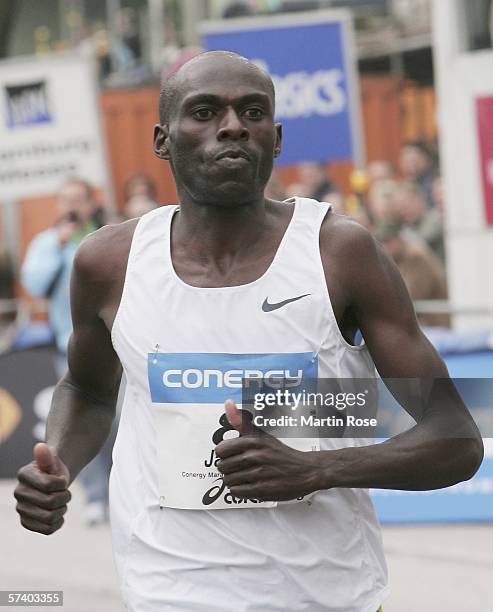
(129, 118)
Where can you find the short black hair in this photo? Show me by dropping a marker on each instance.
(167, 97)
(169, 89)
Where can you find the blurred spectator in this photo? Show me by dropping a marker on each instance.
(381, 201)
(172, 49)
(139, 185)
(298, 189)
(101, 43)
(126, 49)
(173, 54)
(140, 196)
(120, 56)
(49, 258)
(46, 273)
(417, 165)
(380, 170)
(336, 198)
(313, 175)
(130, 47)
(137, 206)
(438, 194)
(422, 271)
(424, 223)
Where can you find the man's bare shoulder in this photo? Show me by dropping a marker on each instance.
(103, 255)
(357, 270)
(343, 238)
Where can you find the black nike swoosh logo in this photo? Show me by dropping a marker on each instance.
(266, 307)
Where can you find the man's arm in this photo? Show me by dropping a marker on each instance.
(443, 448)
(84, 402)
(83, 405)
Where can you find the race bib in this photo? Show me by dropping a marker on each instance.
(188, 391)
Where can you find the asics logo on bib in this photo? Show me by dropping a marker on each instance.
(209, 378)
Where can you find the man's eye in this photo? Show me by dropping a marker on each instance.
(254, 113)
(202, 114)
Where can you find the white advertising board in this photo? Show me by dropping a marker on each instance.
(49, 125)
(464, 84)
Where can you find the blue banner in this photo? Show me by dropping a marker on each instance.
(466, 501)
(313, 78)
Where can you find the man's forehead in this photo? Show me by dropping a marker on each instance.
(217, 74)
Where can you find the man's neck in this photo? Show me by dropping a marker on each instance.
(214, 232)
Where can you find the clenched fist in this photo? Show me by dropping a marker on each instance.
(258, 466)
(42, 492)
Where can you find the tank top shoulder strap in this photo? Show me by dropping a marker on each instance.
(150, 238)
(152, 227)
(303, 244)
(312, 212)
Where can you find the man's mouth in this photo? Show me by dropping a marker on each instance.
(233, 154)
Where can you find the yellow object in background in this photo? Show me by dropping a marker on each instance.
(10, 415)
(359, 181)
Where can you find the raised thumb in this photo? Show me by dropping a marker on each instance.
(241, 420)
(46, 461)
(233, 414)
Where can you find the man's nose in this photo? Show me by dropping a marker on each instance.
(232, 127)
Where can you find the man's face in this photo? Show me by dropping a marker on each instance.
(221, 138)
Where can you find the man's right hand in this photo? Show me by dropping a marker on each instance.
(42, 492)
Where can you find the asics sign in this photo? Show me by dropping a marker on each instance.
(302, 95)
(214, 377)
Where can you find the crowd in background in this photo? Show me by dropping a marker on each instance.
(403, 207)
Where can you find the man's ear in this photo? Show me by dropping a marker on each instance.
(277, 146)
(161, 141)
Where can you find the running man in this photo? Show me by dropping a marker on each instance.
(191, 299)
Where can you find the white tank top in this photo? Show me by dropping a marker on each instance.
(181, 541)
